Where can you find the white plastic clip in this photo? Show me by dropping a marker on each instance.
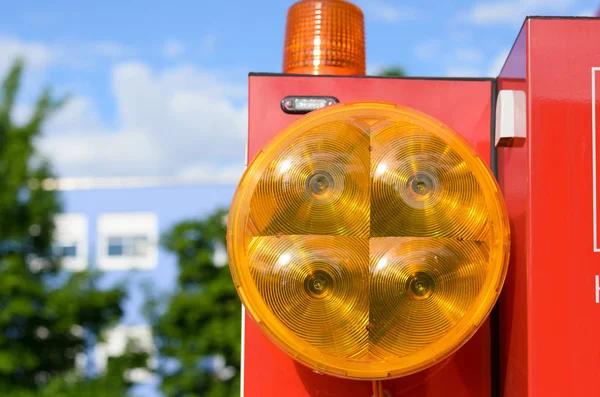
(511, 118)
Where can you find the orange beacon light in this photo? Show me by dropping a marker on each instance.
(324, 37)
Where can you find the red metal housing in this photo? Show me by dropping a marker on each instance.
(550, 311)
(466, 106)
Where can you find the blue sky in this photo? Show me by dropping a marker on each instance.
(159, 88)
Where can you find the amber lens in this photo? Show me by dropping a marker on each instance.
(368, 240)
(419, 289)
(321, 277)
(324, 37)
(317, 186)
(423, 187)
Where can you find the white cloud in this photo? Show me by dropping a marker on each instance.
(491, 69)
(173, 48)
(428, 49)
(386, 12)
(36, 55)
(180, 122)
(513, 11)
(84, 54)
(21, 113)
(373, 69)
(587, 13)
(223, 173)
(468, 55)
(77, 115)
(108, 49)
(463, 72)
(498, 63)
(461, 37)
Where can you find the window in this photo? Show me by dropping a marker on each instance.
(127, 241)
(68, 250)
(136, 246)
(71, 241)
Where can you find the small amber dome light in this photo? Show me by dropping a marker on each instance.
(368, 240)
(324, 37)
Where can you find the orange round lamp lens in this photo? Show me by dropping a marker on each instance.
(368, 240)
(324, 37)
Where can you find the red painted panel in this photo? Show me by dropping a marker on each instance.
(564, 316)
(271, 373)
(464, 106)
(550, 316)
(596, 145)
(515, 66)
(513, 167)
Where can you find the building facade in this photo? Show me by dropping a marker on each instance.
(114, 227)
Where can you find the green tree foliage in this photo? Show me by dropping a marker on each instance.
(72, 384)
(203, 317)
(47, 317)
(392, 72)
